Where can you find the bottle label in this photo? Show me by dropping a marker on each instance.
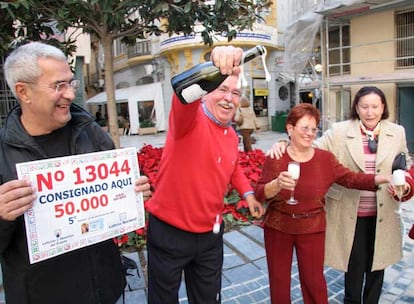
(192, 93)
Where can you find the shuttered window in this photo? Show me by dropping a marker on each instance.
(405, 39)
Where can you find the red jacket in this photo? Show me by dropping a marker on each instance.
(411, 182)
(199, 161)
(316, 177)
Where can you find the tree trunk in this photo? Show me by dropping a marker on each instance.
(110, 90)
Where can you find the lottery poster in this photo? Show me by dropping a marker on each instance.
(81, 200)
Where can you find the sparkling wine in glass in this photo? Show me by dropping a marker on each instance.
(398, 180)
(294, 171)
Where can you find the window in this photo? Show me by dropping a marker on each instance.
(147, 115)
(260, 94)
(343, 105)
(405, 39)
(140, 48)
(123, 114)
(339, 50)
(119, 48)
(283, 93)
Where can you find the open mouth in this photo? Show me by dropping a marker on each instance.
(227, 106)
(308, 139)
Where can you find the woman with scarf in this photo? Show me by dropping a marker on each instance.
(364, 231)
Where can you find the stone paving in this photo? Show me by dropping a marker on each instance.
(245, 279)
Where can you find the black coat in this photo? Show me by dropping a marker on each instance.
(90, 275)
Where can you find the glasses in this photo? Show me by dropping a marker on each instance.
(314, 131)
(224, 91)
(62, 86)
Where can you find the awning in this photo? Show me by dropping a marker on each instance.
(132, 96)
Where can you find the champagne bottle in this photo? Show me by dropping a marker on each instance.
(194, 83)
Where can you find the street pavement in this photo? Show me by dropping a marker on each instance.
(245, 276)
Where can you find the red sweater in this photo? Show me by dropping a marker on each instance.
(411, 182)
(199, 161)
(316, 176)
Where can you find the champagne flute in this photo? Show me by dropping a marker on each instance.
(398, 180)
(294, 171)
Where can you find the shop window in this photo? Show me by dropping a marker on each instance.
(260, 96)
(146, 112)
(260, 105)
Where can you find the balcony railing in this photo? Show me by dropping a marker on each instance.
(141, 48)
(261, 34)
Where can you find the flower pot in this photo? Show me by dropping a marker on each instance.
(150, 130)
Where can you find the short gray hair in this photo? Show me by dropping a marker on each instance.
(23, 63)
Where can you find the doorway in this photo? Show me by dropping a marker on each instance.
(404, 113)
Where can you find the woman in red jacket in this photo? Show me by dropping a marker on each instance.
(301, 227)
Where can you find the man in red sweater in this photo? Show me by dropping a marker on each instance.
(185, 227)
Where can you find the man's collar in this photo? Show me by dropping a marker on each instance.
(210, 115)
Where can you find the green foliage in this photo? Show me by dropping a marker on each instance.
(146, 123)
(232, 198)
(135, 240)
(224, 17)
(236, 213)
(131, 19)
(128, 20)
(6, 27)
(30, 26)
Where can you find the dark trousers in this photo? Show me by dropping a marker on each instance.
(247, 139)
(171, 252)
(310, 255)
(360, 265)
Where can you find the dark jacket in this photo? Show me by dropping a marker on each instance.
(90, 275)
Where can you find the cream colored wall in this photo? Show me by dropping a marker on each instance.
(375, 33)
(271, 19)
(367, 31)
(373, 49)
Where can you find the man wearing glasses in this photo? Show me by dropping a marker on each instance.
(46, 124)
(185, 230)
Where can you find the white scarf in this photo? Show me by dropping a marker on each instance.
(370, 134)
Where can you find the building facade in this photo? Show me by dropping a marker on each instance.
(318, 51)
(368, 43)
(158, 59)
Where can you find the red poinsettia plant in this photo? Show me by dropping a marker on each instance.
(236, 212)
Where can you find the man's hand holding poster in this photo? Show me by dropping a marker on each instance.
(81, 200)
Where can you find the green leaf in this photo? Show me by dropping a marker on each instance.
(188, 7)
